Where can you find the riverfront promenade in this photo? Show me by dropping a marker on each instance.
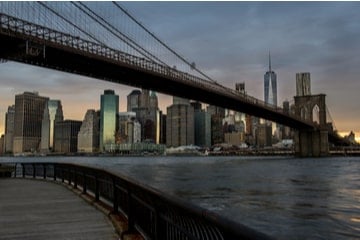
(39, 210)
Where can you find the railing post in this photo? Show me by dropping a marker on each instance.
(44, 171)
(69, 175)
(54, 167)
(115, 196)
(75, 180)
(34, 170)
(84, 183)
(131, 217)
(62, 174)
(97, 190)
(15, 170)
(23, 170)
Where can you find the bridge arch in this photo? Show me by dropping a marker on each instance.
(312, 142)
(316, 114)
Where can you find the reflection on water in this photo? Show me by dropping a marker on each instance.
(287, 198)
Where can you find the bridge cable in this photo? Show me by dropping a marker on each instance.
(332, 121)
(192, 66)
(69, 22)
(122, 37)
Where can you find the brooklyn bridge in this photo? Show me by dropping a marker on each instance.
(82, 38)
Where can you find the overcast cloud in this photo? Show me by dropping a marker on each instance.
(230, 42)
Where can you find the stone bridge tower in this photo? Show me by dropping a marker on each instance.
(311, 108)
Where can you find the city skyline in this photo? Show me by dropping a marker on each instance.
(320, 38)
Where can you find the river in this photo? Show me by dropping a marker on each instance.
(285, 197)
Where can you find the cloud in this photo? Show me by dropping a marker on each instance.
(230, 42)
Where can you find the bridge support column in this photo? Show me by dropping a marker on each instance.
(311, 143)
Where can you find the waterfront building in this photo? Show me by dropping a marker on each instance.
(270, 86)
(66, 136)
(29, 110)
(147, 113)
(129, 128)
(270, 90)
(2, 144)
(9, 129)
(52, 113)
(162, 128)
(303, 84)
(264, 135)
(180, 123)
(202, 126)
(217, 115)
(89, 134)
(109, 108)
(234, 138)
(133, 100)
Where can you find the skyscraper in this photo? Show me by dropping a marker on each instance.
(133, 100)
(9, 129)
(88, 136)
(180, 123)
(145, 104)
(66, 136)
(29, 110)
(270, 86)
(52, 113)
(109, 108)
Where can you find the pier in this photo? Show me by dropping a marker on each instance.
(31, 209)
(137, 211)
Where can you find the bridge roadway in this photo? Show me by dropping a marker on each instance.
(29, 43)
(31, 209)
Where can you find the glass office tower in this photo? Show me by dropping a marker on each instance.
(52, 113)
(270, 86)
(109, 108)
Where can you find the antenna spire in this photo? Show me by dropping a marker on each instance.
(269, 62)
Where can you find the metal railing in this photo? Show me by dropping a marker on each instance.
(154, 214)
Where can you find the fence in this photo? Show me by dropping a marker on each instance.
(154, 214)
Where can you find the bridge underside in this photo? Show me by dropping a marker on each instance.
(75, 61)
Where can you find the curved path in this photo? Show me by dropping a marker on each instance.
(31, 209)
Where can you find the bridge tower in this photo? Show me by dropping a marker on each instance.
(310, 142)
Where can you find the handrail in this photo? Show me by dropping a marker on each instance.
(155, 214)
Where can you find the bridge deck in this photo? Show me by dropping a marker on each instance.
(43, 210)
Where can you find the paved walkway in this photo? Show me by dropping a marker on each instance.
(31, 209)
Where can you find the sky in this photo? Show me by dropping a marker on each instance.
(230, 42)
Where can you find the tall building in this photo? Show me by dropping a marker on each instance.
(270, 86)
(52, 113)
(88, 136)
(129, 128)
(9, 129)
(270, 91)
(202, 121)
(263, 135)
(2, 144)
(162, 128)
(66, 136)
(29, 110)
(180, 123)
(133, 100)
(148, 114)
(217, 116)
(303, 84)
(109, 108)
